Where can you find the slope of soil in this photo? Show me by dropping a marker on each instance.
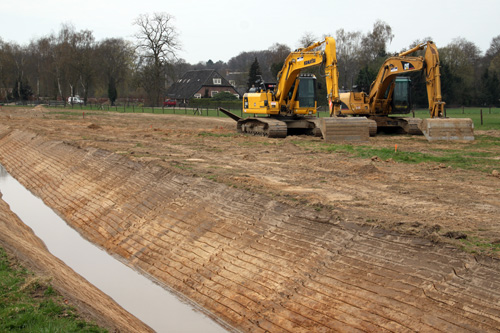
(285, 239)
(20, 241)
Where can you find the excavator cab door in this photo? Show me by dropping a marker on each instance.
(307, 91)
(401, 99)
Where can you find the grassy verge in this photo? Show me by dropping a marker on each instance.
(490, 116)
(482, 154)
(481, 245)
(29, 303)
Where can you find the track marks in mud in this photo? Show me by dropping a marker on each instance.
(255, 263)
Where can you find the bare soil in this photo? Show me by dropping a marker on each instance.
(92, 304)
(298, 239)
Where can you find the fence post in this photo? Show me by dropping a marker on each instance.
(481, 117)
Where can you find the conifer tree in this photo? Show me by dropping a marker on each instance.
(254, 73)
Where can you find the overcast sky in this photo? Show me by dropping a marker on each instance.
(221, 29)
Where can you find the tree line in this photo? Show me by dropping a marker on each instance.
(70, 62)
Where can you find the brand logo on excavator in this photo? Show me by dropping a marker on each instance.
(407, 65)
(312, 61)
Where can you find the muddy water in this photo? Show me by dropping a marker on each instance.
(155, 306)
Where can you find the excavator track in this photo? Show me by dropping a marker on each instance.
(409, 126)
(412, 126)
(331, 129)
(271, 128)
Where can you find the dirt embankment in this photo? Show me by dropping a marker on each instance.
(20, 241)
(264, 253)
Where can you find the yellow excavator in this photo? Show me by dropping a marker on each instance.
(290, 105)
(389, 94)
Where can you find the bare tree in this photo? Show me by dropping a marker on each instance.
(8, 75)
(278, 53)
(348, 55)
(85, 50)
(41, 74)
(493, 55)
(462, 58)
(494, 47)
(115, 59)
(62, 57)
(307, 39)
(375, 43)
(158, 43)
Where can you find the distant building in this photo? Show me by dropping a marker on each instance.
(199, 84)
(238, 80)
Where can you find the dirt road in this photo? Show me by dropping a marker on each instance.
(270, 234)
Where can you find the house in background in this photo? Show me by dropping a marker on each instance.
(199, 84)
(238, 80)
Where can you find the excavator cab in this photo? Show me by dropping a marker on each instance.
(401, 100)
(306, 96)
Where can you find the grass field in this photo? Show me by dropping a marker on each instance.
(490, 116)
(28, 303)
(481, 154)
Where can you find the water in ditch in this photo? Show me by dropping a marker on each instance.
(149, 302)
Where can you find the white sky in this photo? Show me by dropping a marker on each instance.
(221, 29)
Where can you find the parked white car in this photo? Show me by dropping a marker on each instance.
(75, 100)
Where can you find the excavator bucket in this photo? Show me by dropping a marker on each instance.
(448, 129)
(336, 129)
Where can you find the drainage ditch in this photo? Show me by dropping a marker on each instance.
(149, 302)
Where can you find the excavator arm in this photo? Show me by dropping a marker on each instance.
(433, 81)
(402, 64)
(305, 58)
(377, 99)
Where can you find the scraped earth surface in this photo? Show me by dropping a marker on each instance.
(270, 234)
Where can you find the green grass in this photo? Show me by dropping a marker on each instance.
(29, 304)
(479, 155)
(473, 244)
(491, 117)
